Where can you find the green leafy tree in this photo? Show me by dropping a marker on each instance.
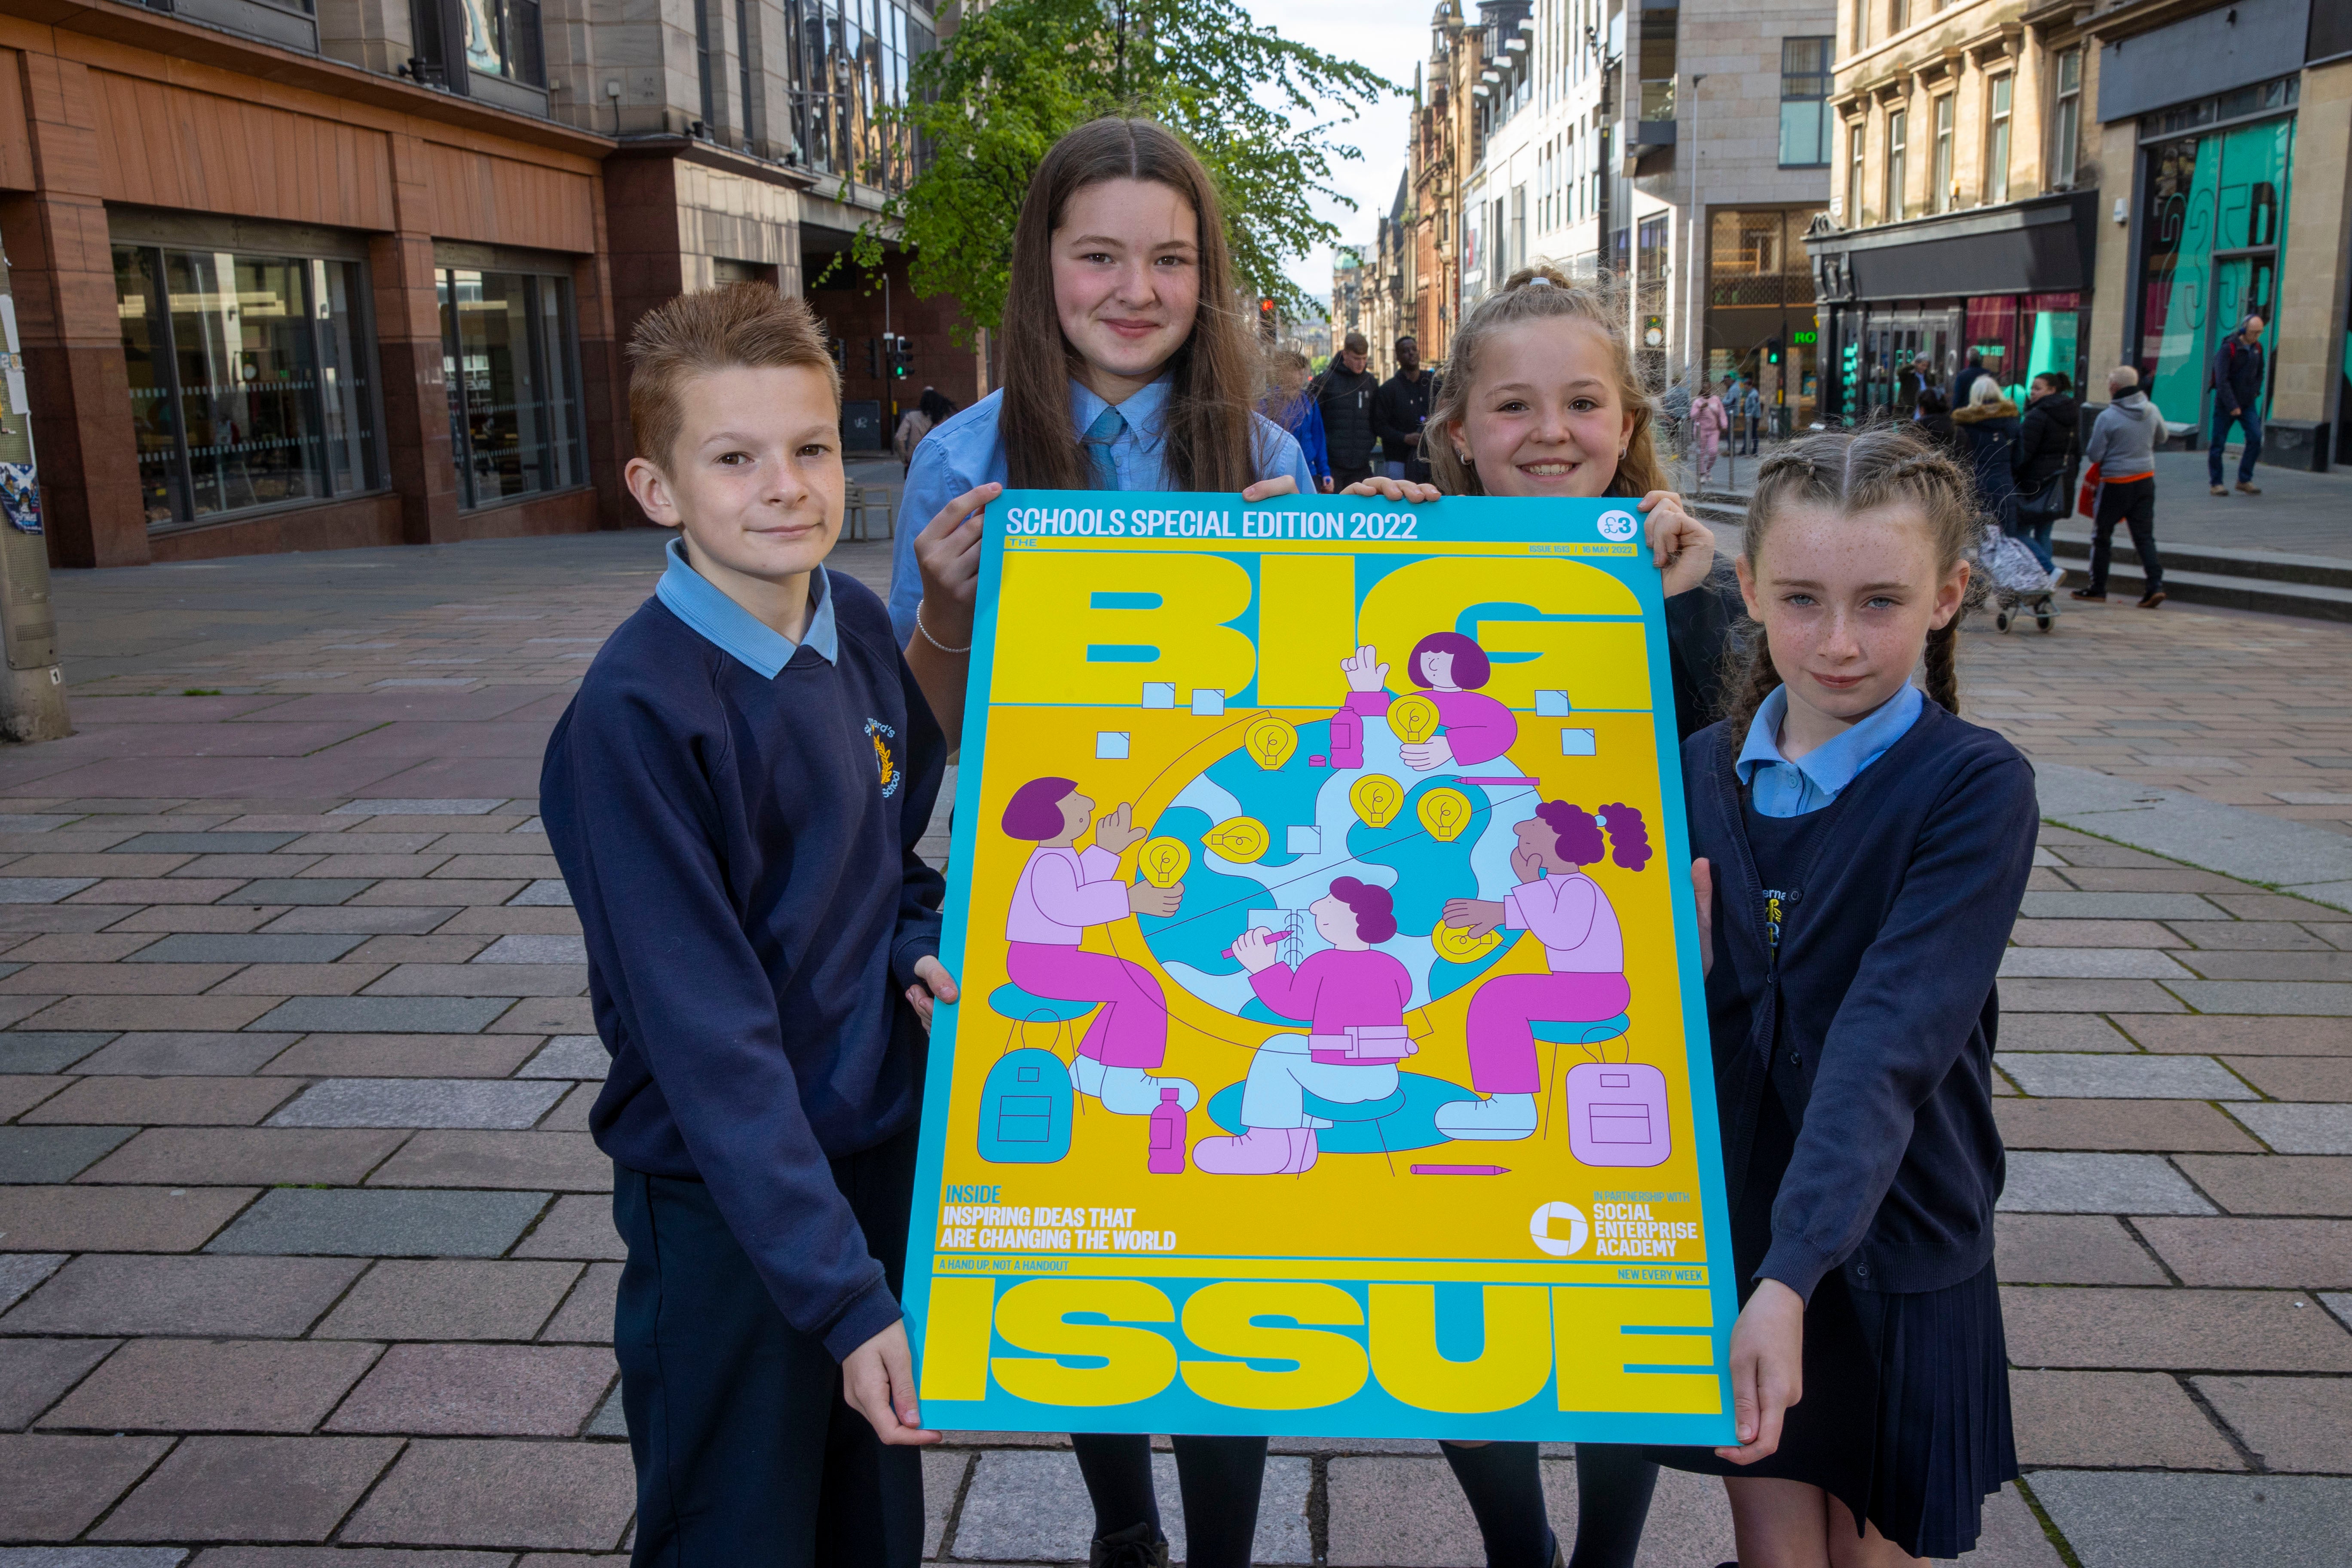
(1261, 111)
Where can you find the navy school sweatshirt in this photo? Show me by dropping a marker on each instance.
(740, 846)
(1875, 1017)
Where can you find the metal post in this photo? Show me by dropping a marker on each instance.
(1690, 256)
(32, 686)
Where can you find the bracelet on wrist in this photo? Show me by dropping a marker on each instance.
(929, 639)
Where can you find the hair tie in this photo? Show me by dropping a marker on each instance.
(1538, 281)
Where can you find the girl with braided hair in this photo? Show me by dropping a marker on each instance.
(1860, 853)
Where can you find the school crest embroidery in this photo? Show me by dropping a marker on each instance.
(881, 734)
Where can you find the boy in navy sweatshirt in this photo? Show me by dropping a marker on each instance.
(735, 796)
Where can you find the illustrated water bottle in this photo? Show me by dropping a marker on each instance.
(1170, 1131)
(1347, 739)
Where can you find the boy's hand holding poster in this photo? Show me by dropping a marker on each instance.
(1332, 1058)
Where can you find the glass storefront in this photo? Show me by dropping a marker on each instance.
(1760, 288)
(250, 382)
(1886, 352)
(2215, 236)
(514, 407)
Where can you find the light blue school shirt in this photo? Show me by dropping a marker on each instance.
(734, 630)
(1779, 787)
(967, 451)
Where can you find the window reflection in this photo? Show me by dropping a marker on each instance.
(853, 57)
(506, 346)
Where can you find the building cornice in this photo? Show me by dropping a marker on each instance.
(95, 34)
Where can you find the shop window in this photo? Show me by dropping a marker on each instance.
(514, 411)
(1758, 258)
(502, 38)
(2224, 190)
(1804, 102)
(707, 50)
(1854, 147)
(1898, 126)
(1650, 253)
(1997, 118)
(2066, 121)
(250, 382)
(1940, 193)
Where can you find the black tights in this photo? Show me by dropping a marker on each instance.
(1505, 1487)
(1218, 1477)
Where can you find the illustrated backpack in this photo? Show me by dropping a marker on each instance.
(1025, 1105)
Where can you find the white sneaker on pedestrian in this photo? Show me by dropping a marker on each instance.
(2057, 578)
(1129, 1091)
(1498, 1118)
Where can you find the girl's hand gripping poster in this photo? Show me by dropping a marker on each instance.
(1332, 1058)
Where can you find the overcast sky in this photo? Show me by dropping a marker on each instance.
(1389, 36)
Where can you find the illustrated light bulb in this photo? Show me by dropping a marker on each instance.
(1456, 945)
(1269, 741)
(1413, 719)
(1376, 797)
(1445, 813)
(1164, 861)
(1240, 839)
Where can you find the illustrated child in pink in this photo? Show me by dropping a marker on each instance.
(1583, 950)
(1451, 667)
(1352, 1000)
(1063, 890)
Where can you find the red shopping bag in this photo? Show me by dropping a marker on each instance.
(2090, 493)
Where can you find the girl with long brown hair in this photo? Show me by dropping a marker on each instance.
(1128, 366)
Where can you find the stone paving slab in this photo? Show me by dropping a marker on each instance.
(182, 1053)
(2221, 1331)
(2065, 1073)
(382, 1223)
(1031, 1504)
(98, 1294)
(2055, 1183)
(116, 1219)
(250, 1489)
(257, 1155)
(575, 1227)
(213, 1385)
(45, 1051)
(2291, 1423)
(55, 1153)
(2115, 1419)
(573, 1497)
(2071, 1249)
(2118, 1125)
(565, 1161)
(35, 1373)
(383, 1015)
(569, 1055)
(402, 1055)
(21, 1271)
(2326, 1079)
(451, 1300)
(515, 1391)
(2313, 1252)
(419, 1102)
(2274, 1184)
(2226, 1037)
(2301, 1129)
(51, 1487)
(2121, 1520)
(194, 1101)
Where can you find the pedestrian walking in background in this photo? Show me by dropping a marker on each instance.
(1966, 381)
(2238, 367)
(1708, 422)
(2122, 450)
(1399, 410)
(931, 411)
(2043, 464)
(1344, 395)
(1287, 405)
(1933, 421)
(1749, 406)
(1989, 426)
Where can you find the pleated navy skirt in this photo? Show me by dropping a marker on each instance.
(1905, 1414)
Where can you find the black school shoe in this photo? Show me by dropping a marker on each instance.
(2155, 597)
(1137, 1546)
(2086, 594)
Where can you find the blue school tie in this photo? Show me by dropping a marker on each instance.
(1105, 430)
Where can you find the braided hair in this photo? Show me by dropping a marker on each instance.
(1847, 472)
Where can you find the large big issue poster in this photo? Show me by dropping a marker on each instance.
(1332, 1058)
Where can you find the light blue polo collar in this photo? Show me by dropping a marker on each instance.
(1783, 788)
(732, 629)
(1145, 411)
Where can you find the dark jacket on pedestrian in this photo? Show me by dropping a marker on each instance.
(2045, 440)
(2237, 368)
(1935, 422)
(1964, 382)
(1346, 398)
(1399, 410)
(740, 840)
(1875, 1017)
(1991, 431)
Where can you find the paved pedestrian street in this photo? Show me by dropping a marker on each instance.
(306, 1256)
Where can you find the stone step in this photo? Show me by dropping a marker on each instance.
(2223, 560)
(2212, 576)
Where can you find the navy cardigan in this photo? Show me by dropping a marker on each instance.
(742, 853)
(1876, 1019)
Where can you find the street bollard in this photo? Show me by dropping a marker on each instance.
(32, 688)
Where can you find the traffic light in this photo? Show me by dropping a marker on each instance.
(902, 355)
(839, 349)
(1265, 320)
(874, 358)
(1772, 350)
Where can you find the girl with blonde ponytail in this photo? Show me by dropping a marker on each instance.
(1860, 854)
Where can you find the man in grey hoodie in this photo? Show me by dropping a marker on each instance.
(2123, 449)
